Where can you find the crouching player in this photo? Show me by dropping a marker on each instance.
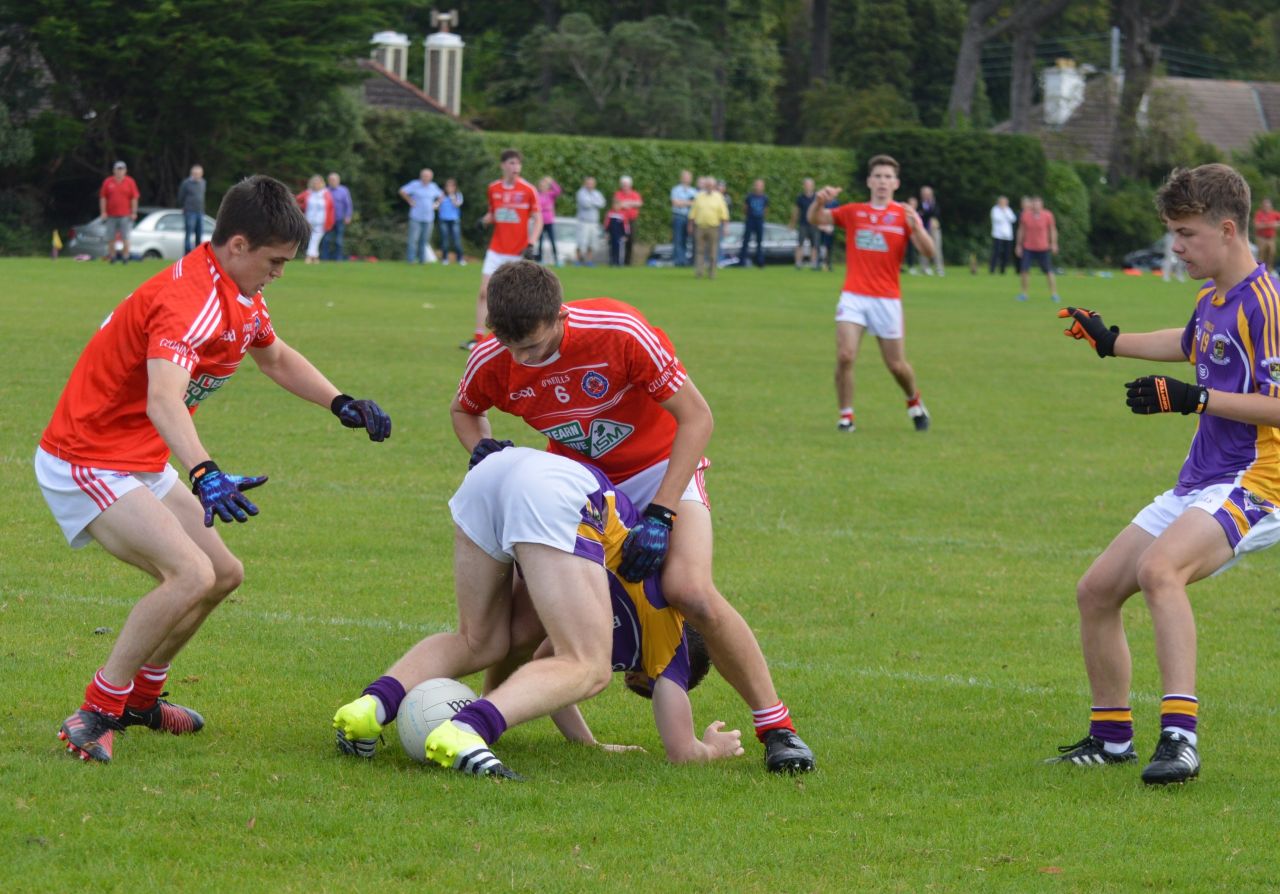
(102, 463)
(1224, 504)
(552, 516)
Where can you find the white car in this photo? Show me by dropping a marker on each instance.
(157, 234)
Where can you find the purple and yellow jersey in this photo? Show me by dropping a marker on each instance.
(1234, 344)
(648, 634)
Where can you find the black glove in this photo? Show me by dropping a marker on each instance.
(1161, 394)
(528, 254)
(484, 447)
(1088, 325)
(362, 414)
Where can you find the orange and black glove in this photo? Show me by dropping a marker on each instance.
(1088, 325)
(1161, 394)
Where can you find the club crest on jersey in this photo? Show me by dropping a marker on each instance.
(1218, 350)
(595, 385)
(1272, 367)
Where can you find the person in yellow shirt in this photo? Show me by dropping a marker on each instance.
(707, 218)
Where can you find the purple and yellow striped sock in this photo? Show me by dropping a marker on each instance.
(1114, 726)
(1178, 714)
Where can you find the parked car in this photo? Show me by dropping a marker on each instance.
(779, 246)
(566, 231)
(157, 234)
(1152, 257)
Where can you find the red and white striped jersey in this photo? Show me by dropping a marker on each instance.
(191, 314)
(599, 399)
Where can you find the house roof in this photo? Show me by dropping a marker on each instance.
(1228, 115)
(384, 89)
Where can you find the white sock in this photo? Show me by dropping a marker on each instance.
(1117, 747)
(1183, 734)
(381, 710)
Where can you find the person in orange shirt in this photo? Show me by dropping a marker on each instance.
(102, 463)
(1264, 228)
(118, 206)
(629, 201)
(516, 217)
(876, 234)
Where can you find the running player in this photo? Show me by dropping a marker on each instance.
(517, 226)
(102, 463)
(558, 520)
(876, 235)
(1224, 504)
(605, 387)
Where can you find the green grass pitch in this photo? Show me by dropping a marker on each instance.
(914, 594)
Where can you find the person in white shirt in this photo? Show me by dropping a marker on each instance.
(1002, 220)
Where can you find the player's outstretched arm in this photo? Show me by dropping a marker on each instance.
(1087, 325)
(1163, 394)
(296, 374)
(673, 714)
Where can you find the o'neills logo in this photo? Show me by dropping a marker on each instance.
(560, 379)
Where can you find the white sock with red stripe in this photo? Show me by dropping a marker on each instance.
(776, 717)
(846, 414)
(914, 401)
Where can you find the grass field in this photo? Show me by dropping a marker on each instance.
(914, 593)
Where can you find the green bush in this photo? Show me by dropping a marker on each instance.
(655, 165)
(1066, 196)
(1122, 219)
(967, 170)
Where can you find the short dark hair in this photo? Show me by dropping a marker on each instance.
(879, 160)
(523, 295)
(699, 662)
(510, 153)
(1215, 190)
(263, 211)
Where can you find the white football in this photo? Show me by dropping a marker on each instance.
(425, 707)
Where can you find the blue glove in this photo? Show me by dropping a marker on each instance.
(221, 493)
(646, 544)
(362, 414)
(484, 447)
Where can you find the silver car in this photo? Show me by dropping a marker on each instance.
(157, 234)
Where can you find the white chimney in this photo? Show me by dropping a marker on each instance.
(442, 65)
(391, 51)
(1063, 86)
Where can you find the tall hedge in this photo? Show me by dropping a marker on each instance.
(655, 165)
(968, 170)
(1068, 198)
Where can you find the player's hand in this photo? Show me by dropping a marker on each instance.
(486, 447)
(1161, 394)
(646, 544)
(1088, 326)
(721, 742)
(362, 414)
(222, 493)
(528, 253)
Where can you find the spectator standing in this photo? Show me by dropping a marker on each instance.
(1037, 243)
(682, 195)
(422, 195)
(191, 200)
(1002, 220)
(590, 203)
(617, 228)
(929, 213)
(317, 205)
(449, 216)
(331, 248)
(806, 233)
(548, 192)
(709, 216)
(755, 206)
(1264, 230)
(118, 206)
(629, 201)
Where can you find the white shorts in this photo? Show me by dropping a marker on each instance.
(78, 494)
(588, 236)
(493, 260)
(521, 495)
(882, 317)
(1250, 523)
(641, 487)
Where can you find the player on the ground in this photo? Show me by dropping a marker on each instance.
(555, 517)
(1224, 504)
(102, 463)
(876, 236)
(517, 227)
(605, 387)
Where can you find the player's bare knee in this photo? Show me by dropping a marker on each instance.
(1094, 595)
(194, 580)
(228, 577)
(1157, 575)
(704, 606)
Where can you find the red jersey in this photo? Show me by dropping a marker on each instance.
(190, 313)
(1264, 224)
(119, 195)
(599, 398)
(511, 207)
(875, 241)
(1035, 230)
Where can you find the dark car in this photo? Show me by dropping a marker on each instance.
(779, 246)
(157, 233)
(1152, 257)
